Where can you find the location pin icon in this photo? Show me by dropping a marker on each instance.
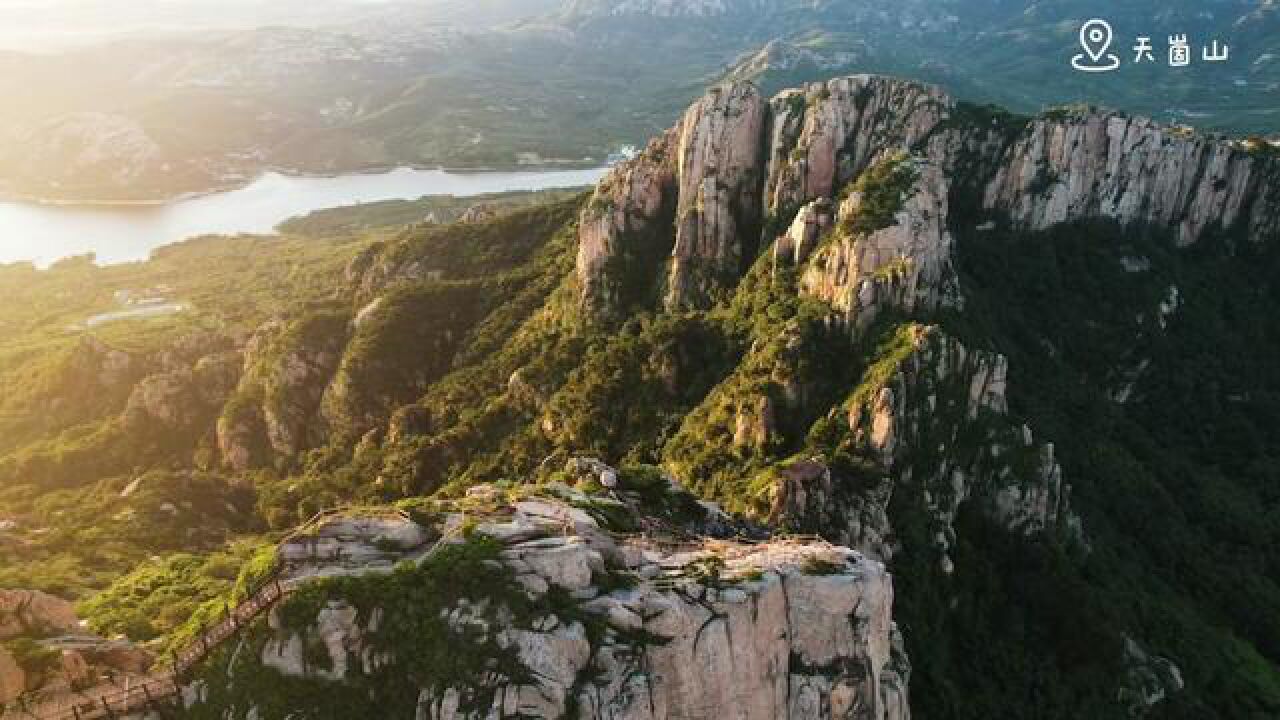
(1095, 38)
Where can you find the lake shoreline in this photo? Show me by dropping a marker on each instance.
(240, 184)
(124, 233)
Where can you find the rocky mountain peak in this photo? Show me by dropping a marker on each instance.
(690, 212)
(1076, 164)
(695, 206)
(720, 166)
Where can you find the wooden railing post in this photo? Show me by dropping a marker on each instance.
(235, 618)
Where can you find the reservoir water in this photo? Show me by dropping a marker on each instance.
(44, 233)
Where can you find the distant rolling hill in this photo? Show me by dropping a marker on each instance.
(558, 82)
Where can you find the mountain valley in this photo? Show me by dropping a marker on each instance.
(849, 400)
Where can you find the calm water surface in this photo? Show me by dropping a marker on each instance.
(44, 233)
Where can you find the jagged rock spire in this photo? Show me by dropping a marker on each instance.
(679, 225)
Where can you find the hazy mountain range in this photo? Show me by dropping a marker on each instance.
(349, 85)
(993, 397)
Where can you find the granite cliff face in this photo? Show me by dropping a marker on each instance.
(824, 136)
(881, 245)
(692, 196)
(719, 170)
(904, 266)
(865, 184)
(273, 411)
(939, 421)
(733, 164)
(1107, 165)
(1035, 173)
(610, 625)
(623, 236)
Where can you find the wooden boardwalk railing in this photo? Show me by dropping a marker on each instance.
(162, 686)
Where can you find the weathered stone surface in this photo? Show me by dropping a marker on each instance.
(720, 171)
(563, 562)
(813, 221)
(73, 657)
(13, 679)
(687, 195)
(34, 613)
(478, 214)
(790, 630)
(275, 412)
(624, 232)
(938, 390)
(811, 495)
(107, 365)
(1148, 679)
(345, 545)
(906, 266)
(1107, 165)
(824, 138)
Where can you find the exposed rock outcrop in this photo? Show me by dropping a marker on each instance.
(720, 167)
(775, 630)
(184, 399)
(624, 234)
(13, 679)
(906, 266)
(938, 420)
(734, 161)
(799, 241)
(1063, 166)
(825, 135)
(1148, 679)
(274, 411)
(109, 366)
(1075, 165)
(31, 612)
(478, 214)
(47, 651)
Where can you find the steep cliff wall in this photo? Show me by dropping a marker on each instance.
(900, 261)
(932, 414)
(576, 620)
(1075, 165)
(1064, 166)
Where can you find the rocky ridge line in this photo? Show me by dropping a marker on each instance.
(780, 629)
(1059, 167)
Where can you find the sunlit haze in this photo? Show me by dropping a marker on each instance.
(639, 359)
(44, 25)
